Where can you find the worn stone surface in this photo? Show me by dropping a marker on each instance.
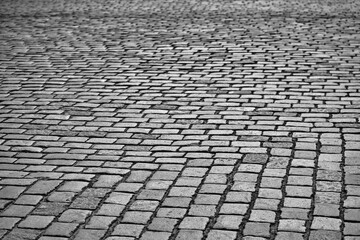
(179, 120)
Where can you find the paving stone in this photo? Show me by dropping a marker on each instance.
(119, 198)
(43, 187)
(270, 193)
(61, 197)
(326, 223)
(151, 194)
(128, 230)
(17, 211)
(11, 192)
(89, 234)
(289, 235)
(352, 202)
(244, 197)
(216, 178)
(245, 177)
(177, 202)
(298, 191)
(74, 216)
(324, 235)
(262, 216)
(255, 158)
(299, 180)
(107, 181)
(144, 205)
(297, 202)
(171, 212)
(194, 223)
(221, 234)
(111, 210)
(18, 233)
(295, 213)
(325, 209)
(352, 229)
(327, 197)
(163, 224)
(231, 222)
(352, 215)
(328, 186)
(207, 199)
(202, 210)
(128, 187)
(352, 179)
(73, 186)
(330, 157)
(137, 217)
(329, 175)
(292, 225)
(158, 184)
(8, 222)
(89, 203)
(182, 191)
(267, 182)
(234, 208)
(257, 229)
(50, 208)
(36, 222)
(100, 222)
(266, 204)
(155, 235)
(189, 234)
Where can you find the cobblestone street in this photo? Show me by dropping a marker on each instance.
(180, 119)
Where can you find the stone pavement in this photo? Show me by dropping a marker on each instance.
(180, 119)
